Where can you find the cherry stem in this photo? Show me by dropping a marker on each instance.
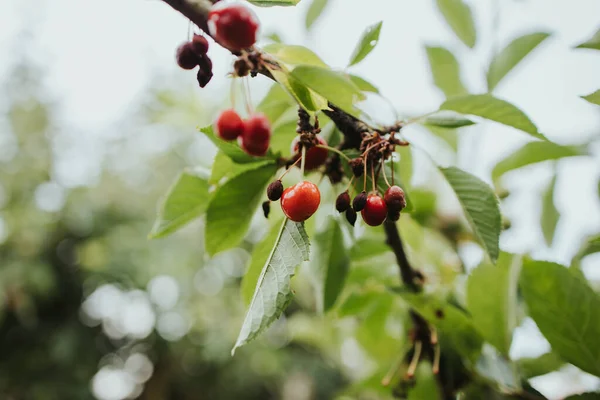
(246, 89)
(334, 150)
(415, 360)
(369, 148)
(392, 371)
(350, 183)
(392, 161)
(365, 172)
(373, 178)
(303, 161)
(290, 167)
(232, 93)
(384, 174)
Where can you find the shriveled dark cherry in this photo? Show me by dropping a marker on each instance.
(186, 57)
(394, 198)
(256, 137)
(375, 210)
(275, 190)
(301, 201)
(200, 44)
(315, 156)
(266, 207)
(229, 125)
(351, 216)
(393, 215)
(234, 26)
(358, 166)
(342, 203)
(359, 201)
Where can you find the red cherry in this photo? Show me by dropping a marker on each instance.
(315, 156)
(256, 137)
(394, 198)
(229, 125)
(299, 202)
(186, 56)
(233, 26)
(375, 210)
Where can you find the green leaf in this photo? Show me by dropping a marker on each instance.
(186, 200)
(260, 254)
(591, 246)
(305, 97)
(367, 43)
(275, 103)
(330, 264)
(365, 249)
(512, 55)
(447, 119)
(550, 215)
(480, 204)
(445, 71)
(489, 107)
(332, 85)
(404, 168)
(452, 323)
(231, 149)
(535, 152)
(362, 84)
(272, 3)
(314, 12)
(224, 167)
(566, 310)
(294, 55)
(232, 207)
(592, 43)
(593, 98)
(273, 293)
(585, 396)
(458, 16)
(492, 300)
(542, 365)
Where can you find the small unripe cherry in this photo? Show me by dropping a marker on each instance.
(359, 201)
(229, 125)
(394, 198)
(275, 190)
(315, 156)
(342, 203)
(266, 207)
(375, 210)
(300, 202)
(186, 56)
(233, 26)
(199, 44)
(256, 137)
(351, 216)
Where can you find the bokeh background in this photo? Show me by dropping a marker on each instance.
(96, 120)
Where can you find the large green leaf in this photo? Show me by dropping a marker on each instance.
(363, 84)
(480, 205)
(512, 55)
(445, 71)
(489, 107)
(334, 86)
(231, 149)
(272, 3)
(367, 249)
(566, 310)
(314, 12)
(542, 365)
(366, 44)
(275, 103)
(592, 43)
(452, 323)
(593, 98)
(294, 55)
(550, 214)
(187, 199)
(273, 293)
(305, 97)
(260, 254)
(535, 152)
(585, 396)
(591, 246)
(447, 119)
(330, 264)
(492, 300)
(233, 205)
(458, 15)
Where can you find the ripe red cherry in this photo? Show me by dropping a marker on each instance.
(256, 136)
(315, 156)
(233, 26)
(229, 125)
(375, 210)
(299, 202)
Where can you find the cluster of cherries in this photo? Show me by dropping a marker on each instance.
(253, 134)
(233, 26)
(373, 208)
